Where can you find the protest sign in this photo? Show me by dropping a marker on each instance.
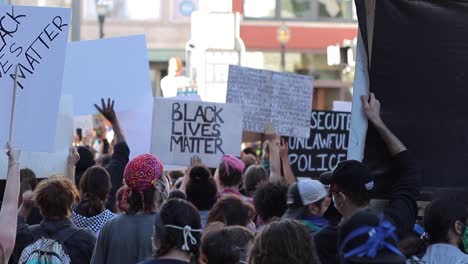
(116, 68)
(47, 164)
(284, 99)
(34, 39)
(183, 129)
(136, 125)
(326, 146)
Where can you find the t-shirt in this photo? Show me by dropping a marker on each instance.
(164, 261)
(125, 239)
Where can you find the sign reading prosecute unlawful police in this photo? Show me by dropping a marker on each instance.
(326, 146)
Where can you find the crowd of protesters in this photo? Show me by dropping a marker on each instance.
(251, 209)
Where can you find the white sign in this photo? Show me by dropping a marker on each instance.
(136, 125)
(117, 68)
(35, 39)
(47, 164)
(284, 99)
(183, 129)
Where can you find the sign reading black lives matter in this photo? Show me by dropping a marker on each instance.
(283, 99)
(326, 146)
(183, 129)
(35, 39)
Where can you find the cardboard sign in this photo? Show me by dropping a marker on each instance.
(117, 68)
(47, 164)
(327, 145)
(183, 129)
(35, 39)
(283, 99)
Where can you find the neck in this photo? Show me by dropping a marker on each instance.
(177, 255)
(349, 210)
(234, 188)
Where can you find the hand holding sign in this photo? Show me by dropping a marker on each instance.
(371, 108)
(13, 155)
(283, 150)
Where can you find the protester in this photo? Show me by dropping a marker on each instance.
(368, 238)
(307, 201)
(249, 160)
(201, 191)
(229, 176)
(125, 238)
(55, 197)
(445, 222)
(351, 184)
(177, 233)
(225, 244)
(285, 241)
(231, 210)
(254, 176)
(8, 219)
(120, 203)
(91, 213)
(270, 202)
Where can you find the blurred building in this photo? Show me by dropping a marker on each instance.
(313, 25)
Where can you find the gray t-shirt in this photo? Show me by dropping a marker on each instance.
(125, 239)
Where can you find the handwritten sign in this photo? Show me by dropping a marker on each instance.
(183, 129)
(47, 164)
(116, 67)
(35, 39)
(283, 99)
(326, 146)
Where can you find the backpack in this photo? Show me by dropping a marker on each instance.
(47, 249)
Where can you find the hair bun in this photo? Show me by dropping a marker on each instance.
(200, 174)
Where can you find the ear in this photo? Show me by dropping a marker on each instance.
(458, 228)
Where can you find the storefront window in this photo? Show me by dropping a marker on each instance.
(297, 9)
(260, 8)
(309, 10)
(126, 9)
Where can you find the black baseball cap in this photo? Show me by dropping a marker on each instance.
(350, 176)
(367, 220)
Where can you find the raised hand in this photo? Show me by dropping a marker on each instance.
(284, 150)
(107, 110)
(73, 156)
(13, 154)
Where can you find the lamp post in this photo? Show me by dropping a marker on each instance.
(283, 36)
(102, 9)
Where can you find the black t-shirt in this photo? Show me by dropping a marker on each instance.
(163, 261)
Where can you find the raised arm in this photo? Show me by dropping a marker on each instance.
(284, 156)
(8, 213)
(372, 110)
(275, 163)
(72, 160)
(402, 208)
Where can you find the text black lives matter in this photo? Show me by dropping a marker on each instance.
(27, 57)
(196, 131)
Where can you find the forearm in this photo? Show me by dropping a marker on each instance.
(394, 145)
(9, 209)
(71, 172)
(118, 132)
(275, 163)
(288, 172)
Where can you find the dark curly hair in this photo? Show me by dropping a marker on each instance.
(285, 241)
(270, 201)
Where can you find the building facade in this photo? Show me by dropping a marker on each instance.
(313, 25)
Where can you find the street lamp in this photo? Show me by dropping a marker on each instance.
(283, 36)
(103, 8)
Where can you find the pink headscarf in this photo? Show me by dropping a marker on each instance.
(231, 161)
